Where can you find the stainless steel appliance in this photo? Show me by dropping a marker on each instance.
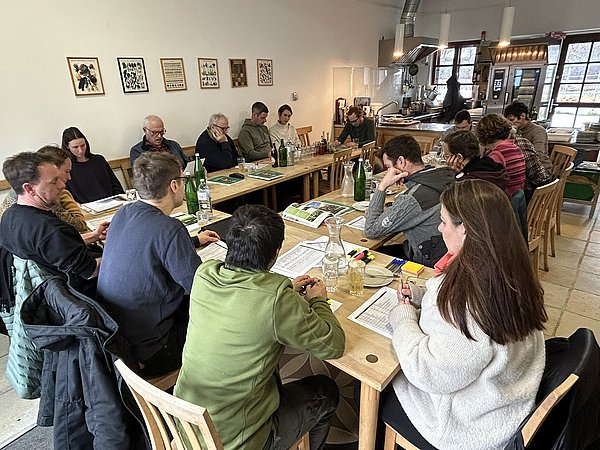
(515, 82)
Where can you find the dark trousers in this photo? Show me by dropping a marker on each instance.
(167, 358)
(306, 405)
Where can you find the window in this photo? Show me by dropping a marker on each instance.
(459, 60)
(577, 93)
(553, 54)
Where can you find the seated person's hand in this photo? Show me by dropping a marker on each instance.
(101, 230)
(317, 289)
(336, 143)
(301, 282)
(404, 293)
(208, 236)
(455, 162)
(218, 134)
(392, 176)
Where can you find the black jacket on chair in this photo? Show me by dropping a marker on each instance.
(80, 393)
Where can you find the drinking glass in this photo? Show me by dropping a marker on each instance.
(241, 162)
(131, 195)
(329, 267)
(356, 277)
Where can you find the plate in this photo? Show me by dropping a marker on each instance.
(361, 206)
(385, 276)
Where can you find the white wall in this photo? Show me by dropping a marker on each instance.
(470, 17)
(304, 38)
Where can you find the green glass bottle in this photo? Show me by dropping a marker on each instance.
(199, 170)
(360, 182)
(191, 195)
(282, 155)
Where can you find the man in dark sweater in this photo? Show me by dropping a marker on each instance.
(358, 127)
(154, 141)
(215, 145)
(149, 264)
(30, 230)
(518, 114)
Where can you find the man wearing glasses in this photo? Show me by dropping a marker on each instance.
(154, 141)
(215, 145)
(361, 129)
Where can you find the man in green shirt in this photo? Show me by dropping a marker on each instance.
(358, 127)
(241, 317)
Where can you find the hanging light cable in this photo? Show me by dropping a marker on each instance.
(444, 31)
(399, 41)
(508, 16)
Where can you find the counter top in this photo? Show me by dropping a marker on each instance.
(435, 127)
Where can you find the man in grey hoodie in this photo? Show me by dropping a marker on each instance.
(416, 211)
(254, 137)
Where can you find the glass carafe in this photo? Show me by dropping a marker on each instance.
(335, 248)
(348, 180)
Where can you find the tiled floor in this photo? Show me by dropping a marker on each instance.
(572, 295)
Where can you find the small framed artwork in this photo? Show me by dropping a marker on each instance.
(264, 72)
(237, 70)
(173, 74)
(208, 69)
(133, 74)
(85, 76)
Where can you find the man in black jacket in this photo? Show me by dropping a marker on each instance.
(215, 145)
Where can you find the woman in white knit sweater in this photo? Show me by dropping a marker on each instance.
(470, 345)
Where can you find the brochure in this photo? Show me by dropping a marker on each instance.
(188, 220)
(265, 174)
(314, 212)
(224, 180)
(104, 204)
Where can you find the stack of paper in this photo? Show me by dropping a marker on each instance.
(104, 204)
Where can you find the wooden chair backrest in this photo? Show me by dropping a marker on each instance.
(123, 165)
(538, 208)
(4, 185)
(303, 135)
(425, 142)
(337, 172)
(543, 409)
(561, 157)
(160, 411)
(367, 151)
(189, 151)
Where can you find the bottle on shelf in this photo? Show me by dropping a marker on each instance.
(274, 155)
(360, 182)
(191, 196)
(204, 201)
(324, 142)
(199, 170)
(282, 156)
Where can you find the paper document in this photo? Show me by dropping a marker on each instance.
(298, 260)
(335, 305)
(374, 313)
(104, 204)
(93, 223)
(214, 250)
(358, 223)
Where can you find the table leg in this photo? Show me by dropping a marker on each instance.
(306, 187)
(367, 425)
(316, 176)
(273, 198)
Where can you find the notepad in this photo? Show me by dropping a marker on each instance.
(412, 268)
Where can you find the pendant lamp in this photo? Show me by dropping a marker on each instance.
(508, 17)
(399, 41)
(444, 31)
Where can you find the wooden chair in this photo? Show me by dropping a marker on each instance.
(554, 215)
(367, 151)
(336, 173)
(425, 142)
(528, 430)
(538, 209)
(124, 165)
(162, 410)
(164, 382)
(303, 135)
(561, 157)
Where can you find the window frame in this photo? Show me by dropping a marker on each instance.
(457, 46)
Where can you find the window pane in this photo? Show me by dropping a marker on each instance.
(546, 92)
(543, 113)
(467, 55)
(447, 56)
(568, 93)
(586, 115)
(550, 73)
(564, 117)
(593, 73)
(590, 93)
(578, 52)
(465, 74)
(595, 52)
(553, 54)
(466, 90)
(573, 73)
(442, 74)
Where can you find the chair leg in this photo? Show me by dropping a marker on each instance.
(544, 244)
(390, 438)
(552, 246)
(558, 212)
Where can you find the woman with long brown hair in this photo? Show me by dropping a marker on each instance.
(470, 345)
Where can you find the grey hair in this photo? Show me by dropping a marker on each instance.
(214, 118)
(151, 118)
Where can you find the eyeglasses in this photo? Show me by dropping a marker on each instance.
(156, 132)
(183, 177)
(354, 121)
(225, 129)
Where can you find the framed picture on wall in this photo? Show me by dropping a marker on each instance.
(85, 76)
(173, 74)
(264, 72)
(208, 68)
(237, 71)
(133, 74)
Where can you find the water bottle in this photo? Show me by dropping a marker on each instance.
(199, 170)
(360, 182)
(282, 156)
(191, 196)
(290, 152)
(369, 176)
(204, 202)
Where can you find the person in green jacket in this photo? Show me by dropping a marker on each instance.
(254, 137)
(241, 317)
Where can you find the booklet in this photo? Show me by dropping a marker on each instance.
(224, 180)
(314, 212)
(104, 204)
(373, 314)
(188, 220)
(265, 174)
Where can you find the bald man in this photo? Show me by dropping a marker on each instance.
(154, 141)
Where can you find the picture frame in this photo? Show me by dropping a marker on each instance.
(238, 73)
(133, 75)
(173, 74)
(208, 69)
(264, 72)
(85, 75)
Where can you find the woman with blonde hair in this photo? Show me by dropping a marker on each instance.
(470, 344)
